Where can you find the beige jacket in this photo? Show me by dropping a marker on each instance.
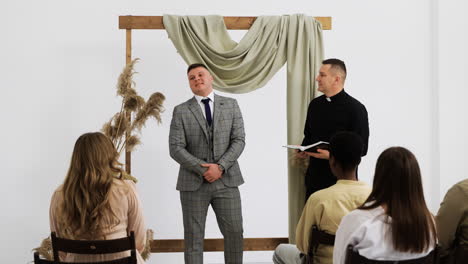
(452, 218)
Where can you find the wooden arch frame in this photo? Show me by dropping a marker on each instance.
(233, 23)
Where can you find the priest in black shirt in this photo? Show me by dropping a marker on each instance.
(327, 114)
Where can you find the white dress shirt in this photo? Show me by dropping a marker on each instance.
(368, 231)
(202, 105)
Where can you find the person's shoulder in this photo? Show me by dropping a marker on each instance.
(224, 98)
(356, 187)
(322, 195)
(316, 102)
(359, 216)
(58, 192)
(363, 185)
(317, 99)
(460, 187)
(187, 102)
(462, 184)
(184, 105)
(354, 101)
(369, 213)
(124, 186)
(59, 189)
(128, 184)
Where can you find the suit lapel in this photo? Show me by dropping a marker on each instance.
(197, 112)
(218, 111)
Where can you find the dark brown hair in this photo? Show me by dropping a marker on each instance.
(337, 65)
(398, 186)
(196, 65)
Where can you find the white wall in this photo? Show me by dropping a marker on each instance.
(453, 91)
(61, 59)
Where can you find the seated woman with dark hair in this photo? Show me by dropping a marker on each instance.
(94, 202)
(394, 222)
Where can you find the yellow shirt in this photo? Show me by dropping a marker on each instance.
(325, 209)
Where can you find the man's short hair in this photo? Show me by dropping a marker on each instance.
(346, 148)
(196, 65)
(338, 66)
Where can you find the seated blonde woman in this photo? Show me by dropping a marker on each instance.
(94, 202)
(394, 223)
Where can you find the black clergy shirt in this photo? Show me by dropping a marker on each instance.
(325, 117)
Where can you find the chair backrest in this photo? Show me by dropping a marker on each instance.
(353, 257)
(38, 260)
(461, 254)
(317, 237)
(95, 247)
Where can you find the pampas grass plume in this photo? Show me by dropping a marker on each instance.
(153, 107)
(45, 249)
(132, 141)
(133, 102)
(125, 81)
(149, 239)
(121, 127)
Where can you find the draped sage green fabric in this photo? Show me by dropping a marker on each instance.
(248, 65)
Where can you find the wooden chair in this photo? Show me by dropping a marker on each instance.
(461, 254)
(316, 238)
(457, 255)
(94, 247)
(38, 260)
(353, 257)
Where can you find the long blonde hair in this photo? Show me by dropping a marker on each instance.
(93, 168)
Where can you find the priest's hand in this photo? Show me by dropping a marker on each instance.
(213, 172)
(301, 154)
(320, 154)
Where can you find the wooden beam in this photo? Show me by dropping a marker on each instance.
(156, 22)
(212, 244)
(128, 116)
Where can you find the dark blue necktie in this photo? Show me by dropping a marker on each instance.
(206, 101)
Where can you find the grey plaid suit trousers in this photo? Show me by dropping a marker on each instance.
(191, 143)
(226, 204)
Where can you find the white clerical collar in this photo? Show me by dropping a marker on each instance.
(199, 98)
(336, 96)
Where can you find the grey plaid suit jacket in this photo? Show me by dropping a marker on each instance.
(189, 146)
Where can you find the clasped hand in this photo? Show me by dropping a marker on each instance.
(213, 172)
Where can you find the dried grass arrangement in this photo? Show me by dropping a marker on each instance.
(297, 162)
(124, 126)
(45, 249)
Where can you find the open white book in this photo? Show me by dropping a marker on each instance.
(310, 148)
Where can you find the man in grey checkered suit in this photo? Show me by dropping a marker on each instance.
(206, 138)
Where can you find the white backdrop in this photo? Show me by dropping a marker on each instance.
(406, 60)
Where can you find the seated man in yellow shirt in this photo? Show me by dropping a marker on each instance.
(326, 207)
